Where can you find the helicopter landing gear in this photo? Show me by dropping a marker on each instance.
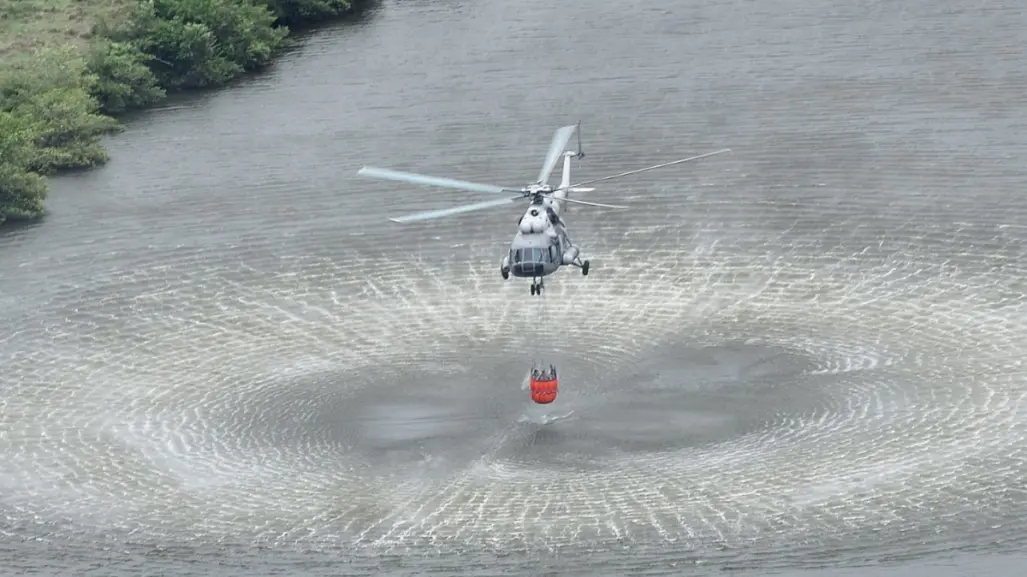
(536, 287)
(505, 272)
(583, 265)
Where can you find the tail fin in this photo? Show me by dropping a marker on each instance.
(565, 180)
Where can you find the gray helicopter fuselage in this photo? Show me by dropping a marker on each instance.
(541, 245)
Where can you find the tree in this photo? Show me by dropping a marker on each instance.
(21, 192)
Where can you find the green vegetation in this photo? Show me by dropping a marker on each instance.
(69, 67)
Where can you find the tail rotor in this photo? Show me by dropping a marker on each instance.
(581, 151)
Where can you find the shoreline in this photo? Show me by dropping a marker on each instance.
(59, 96)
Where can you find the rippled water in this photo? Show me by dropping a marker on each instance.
(804, 353)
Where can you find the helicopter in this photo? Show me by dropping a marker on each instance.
(541, 245)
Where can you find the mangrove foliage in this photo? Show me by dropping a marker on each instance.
(58, 102)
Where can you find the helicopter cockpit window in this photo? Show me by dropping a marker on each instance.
(532, 255)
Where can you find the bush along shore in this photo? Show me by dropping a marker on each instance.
(57, 102)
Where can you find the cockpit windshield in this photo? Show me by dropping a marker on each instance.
(529, 255)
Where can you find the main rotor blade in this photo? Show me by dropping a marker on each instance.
(556, 148)
(630, 172)
(430, 214)
(576, 201)
(414, 178)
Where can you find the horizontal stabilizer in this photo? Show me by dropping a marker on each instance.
(576, 201)
(581, 189)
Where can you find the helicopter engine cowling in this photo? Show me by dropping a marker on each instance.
(534, 221)
(570, 254)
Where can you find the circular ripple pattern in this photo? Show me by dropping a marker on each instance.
(780, 392)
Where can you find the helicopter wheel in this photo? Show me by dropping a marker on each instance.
(532, 288)
(584, 268)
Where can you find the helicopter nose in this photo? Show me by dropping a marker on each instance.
(528, 269)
